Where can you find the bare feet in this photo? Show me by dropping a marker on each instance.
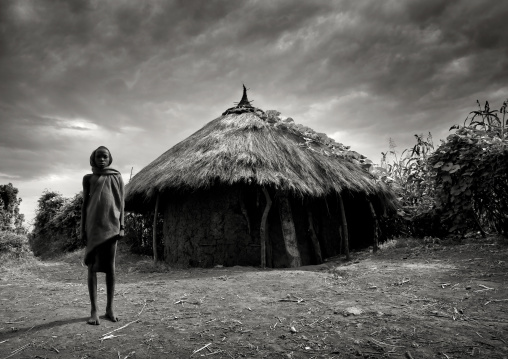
(94, 319)
(111, 316)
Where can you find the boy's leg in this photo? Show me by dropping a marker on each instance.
(110, 283)
(110, 288)
(92, 291)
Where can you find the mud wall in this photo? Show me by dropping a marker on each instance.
(207, 228)
(220, 226)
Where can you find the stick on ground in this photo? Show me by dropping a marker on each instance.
(496, 300)
(18, 350)
(134, 321)
(198, 350)
(142, 309)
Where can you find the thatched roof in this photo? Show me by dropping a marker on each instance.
(246, 145)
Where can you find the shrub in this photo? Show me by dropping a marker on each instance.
(42, 237)
(57, 226)
(14, 245)
(471, 181)
(10, 218)
(460, 187)
(411, 177)
(66, 224)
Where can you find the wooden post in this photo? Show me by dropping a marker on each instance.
(345, 234)
(375, 241)
(289, 232)
(262, 231)
(315, 241)
(154, 243)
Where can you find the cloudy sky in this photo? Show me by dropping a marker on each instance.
(140, 76)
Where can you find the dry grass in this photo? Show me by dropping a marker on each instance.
(402, 242)
(15, 254)
(12, 267)
(246, 149)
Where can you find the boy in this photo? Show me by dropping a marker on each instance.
(102, 224)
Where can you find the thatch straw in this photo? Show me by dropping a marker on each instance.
(249, 148)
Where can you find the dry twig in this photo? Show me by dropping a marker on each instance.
(142, 309)
(289, 299)
(496, 300)
(17, 350)
(485, 288)
(134, 321)
(198, 350)
(111, 336)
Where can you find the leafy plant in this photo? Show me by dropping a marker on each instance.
(410, 175)
(66, 224)
(10, 218)
(471, 181)
(487, 120)
(43, 237)
(14, 245)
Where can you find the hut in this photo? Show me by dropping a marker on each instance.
(251, 188)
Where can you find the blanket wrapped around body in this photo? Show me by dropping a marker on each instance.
(104, 208)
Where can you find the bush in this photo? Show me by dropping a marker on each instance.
(471, 180)
(10, 218)
(67, 224)
(458, 188)
(14, 246)
(57, 226)
(411, 178)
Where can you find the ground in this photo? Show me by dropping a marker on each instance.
(410, 300)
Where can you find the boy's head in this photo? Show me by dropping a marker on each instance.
(101, 157)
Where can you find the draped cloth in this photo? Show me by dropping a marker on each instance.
(104, 208)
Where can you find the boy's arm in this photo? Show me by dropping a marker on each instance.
(86, 193)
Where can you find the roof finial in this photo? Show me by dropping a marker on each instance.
(244, 106)
(244, 102)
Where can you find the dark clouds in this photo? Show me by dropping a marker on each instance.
(141, 76)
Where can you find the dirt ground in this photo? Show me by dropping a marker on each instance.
(410, 300)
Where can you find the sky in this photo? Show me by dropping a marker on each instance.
(140, 76)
